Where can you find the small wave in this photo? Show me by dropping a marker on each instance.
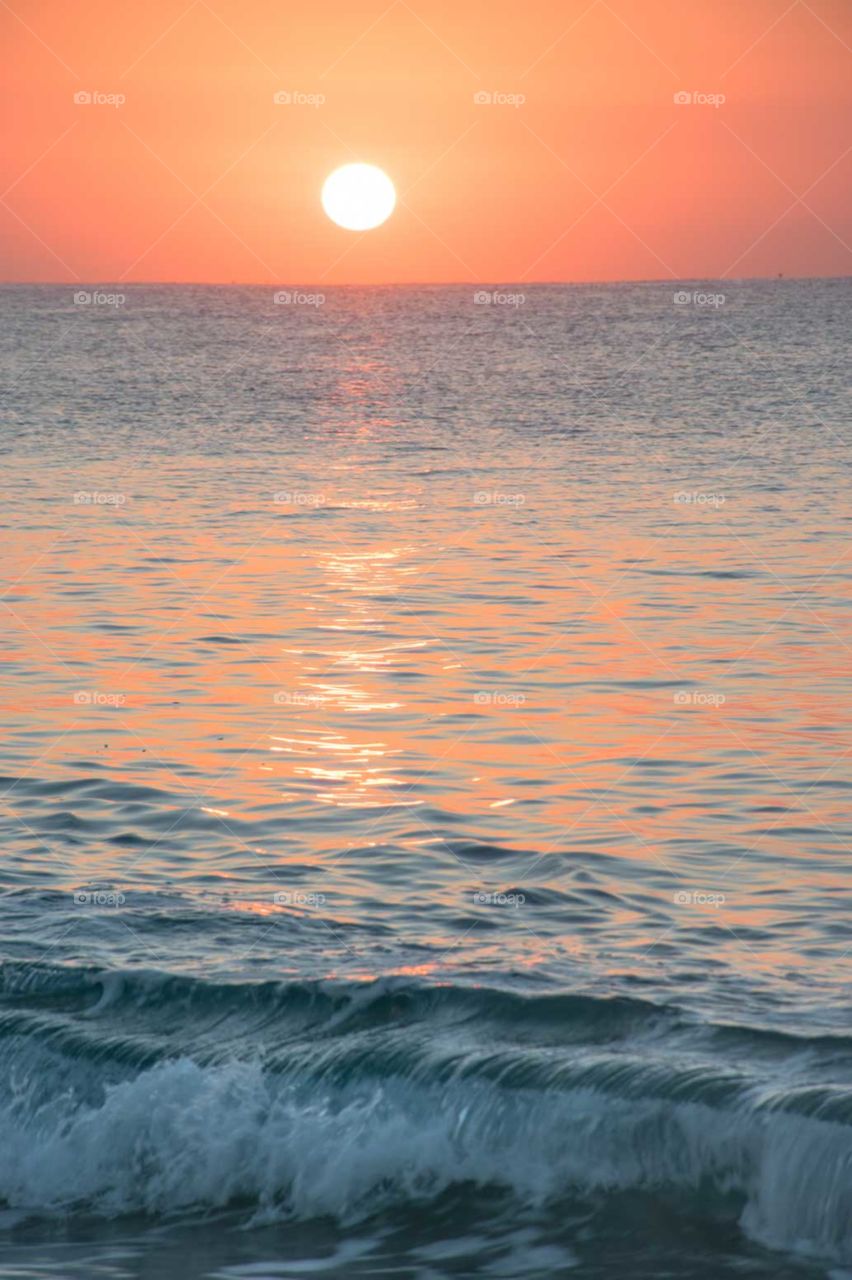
(360, 1097)
(180, 1135)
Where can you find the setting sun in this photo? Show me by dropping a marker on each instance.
(358, 197)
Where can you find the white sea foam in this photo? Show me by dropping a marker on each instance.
(181, 1135)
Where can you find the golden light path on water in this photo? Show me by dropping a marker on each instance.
(397, 666)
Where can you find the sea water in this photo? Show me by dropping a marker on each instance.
(425, 780)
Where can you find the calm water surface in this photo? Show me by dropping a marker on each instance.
(426, 783)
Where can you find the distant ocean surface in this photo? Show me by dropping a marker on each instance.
(425, 771)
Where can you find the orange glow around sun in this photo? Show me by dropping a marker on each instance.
(558, 140)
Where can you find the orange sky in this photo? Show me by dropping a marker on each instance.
(598, 175)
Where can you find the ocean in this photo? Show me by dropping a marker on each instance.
(425, 771)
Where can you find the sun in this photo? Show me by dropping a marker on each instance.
(358, 197)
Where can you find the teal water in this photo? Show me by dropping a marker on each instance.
(425, 783)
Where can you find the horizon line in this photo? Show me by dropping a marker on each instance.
(413, 284)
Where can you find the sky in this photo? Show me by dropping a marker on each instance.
(575, 162)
